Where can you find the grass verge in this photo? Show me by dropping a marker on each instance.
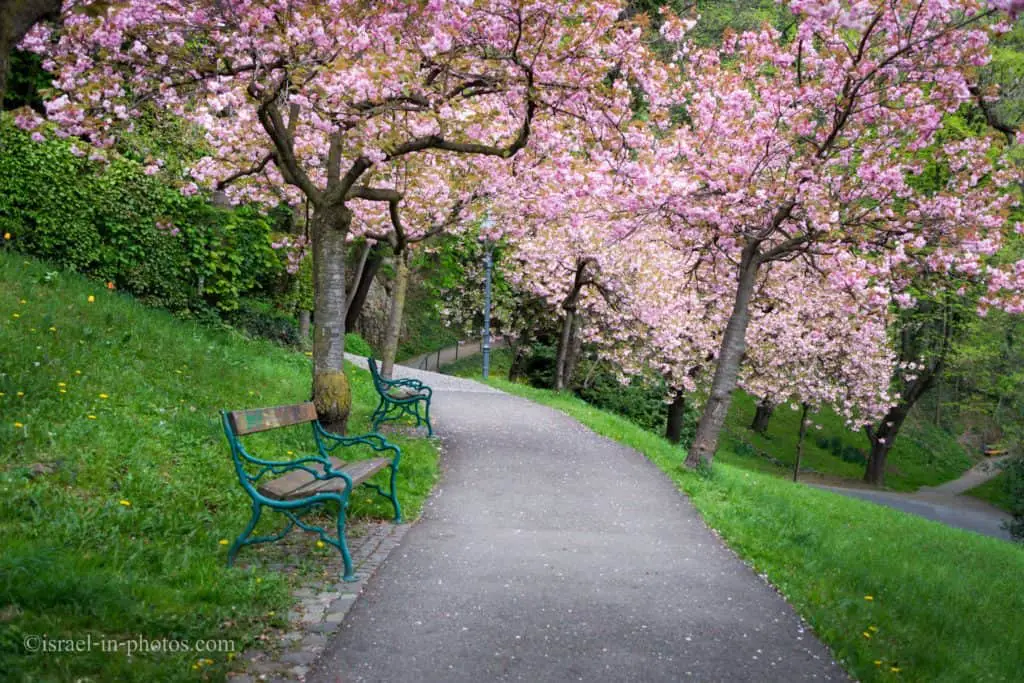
(995, 491)
(117, 491)
(894, 596)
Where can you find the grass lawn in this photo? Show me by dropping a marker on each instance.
(924, 455)
(995, 491)
(896, 597)
(122, 535)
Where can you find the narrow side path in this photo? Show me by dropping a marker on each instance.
(549, 553)
(945, 503)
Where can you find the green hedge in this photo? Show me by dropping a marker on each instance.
(115, 223)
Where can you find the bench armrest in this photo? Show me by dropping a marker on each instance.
(329, 441)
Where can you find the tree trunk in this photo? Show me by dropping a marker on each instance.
(401, 283)
(563, 349)
(762, 415)
(881, 439)
(304, 325)
(674, 424)
(515, 370)
(705, 442)
(800, 443)
(575, 351)
(331, 392)
(362, 286)
(16, 18)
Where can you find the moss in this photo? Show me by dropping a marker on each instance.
(333, 399)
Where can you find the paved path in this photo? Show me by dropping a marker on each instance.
(549, 553)
(945, 503)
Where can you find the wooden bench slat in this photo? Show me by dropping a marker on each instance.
(262, 419)
(302, 484)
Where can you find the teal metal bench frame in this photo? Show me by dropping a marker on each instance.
(317, 465)
(392, 407)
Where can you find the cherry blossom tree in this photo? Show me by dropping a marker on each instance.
(313, 95)
(804, 146)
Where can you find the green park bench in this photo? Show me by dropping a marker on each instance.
(400, 397)
(294, 487)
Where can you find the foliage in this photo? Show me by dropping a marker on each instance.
(641, 400)
(262, 320)
(424, 329)
(124, 536)
(357, 345)
(827, 554)
(121, 226)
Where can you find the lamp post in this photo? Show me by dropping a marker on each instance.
(485, 344)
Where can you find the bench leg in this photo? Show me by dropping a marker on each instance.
(240, 541)
(426, 411)
(346, 557)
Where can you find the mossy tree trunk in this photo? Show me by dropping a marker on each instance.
(331, 392)
(16, 18)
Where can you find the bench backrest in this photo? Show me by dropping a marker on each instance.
(377, 379)
(262, 419)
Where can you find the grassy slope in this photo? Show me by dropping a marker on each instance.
(995, 491)
(937, 619)
(125, 538)
(923, 456)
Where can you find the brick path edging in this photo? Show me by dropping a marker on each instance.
(318, 612)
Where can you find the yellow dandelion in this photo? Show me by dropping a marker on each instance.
(270, 614)
(15, 315)
(78, 372)
(53, 329)
(223, 541)
(195, 667)
(291, 452)
(18, 425)
(869, 598)
(22, 302)
(63, 391)
(319, 544)
(873, 628)
(20, 394)
(91, 417)
(878, 662)
(894, 669)
(309, 353)
(104, 396)
(62, 384)
(126, 503)
(866, 634)
(91, 299)
(7, 235)
(2, 394)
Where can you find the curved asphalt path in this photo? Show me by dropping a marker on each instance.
(549, 553)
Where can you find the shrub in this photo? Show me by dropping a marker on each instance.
(357, 345)
(260, 319)
(115, 223)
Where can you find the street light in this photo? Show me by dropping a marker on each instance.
(485, 345)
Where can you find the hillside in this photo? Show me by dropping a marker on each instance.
(116, 486)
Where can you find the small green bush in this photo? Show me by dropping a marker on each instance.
(260, 319)
(357, 345)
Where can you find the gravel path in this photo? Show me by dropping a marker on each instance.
(549, 553)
